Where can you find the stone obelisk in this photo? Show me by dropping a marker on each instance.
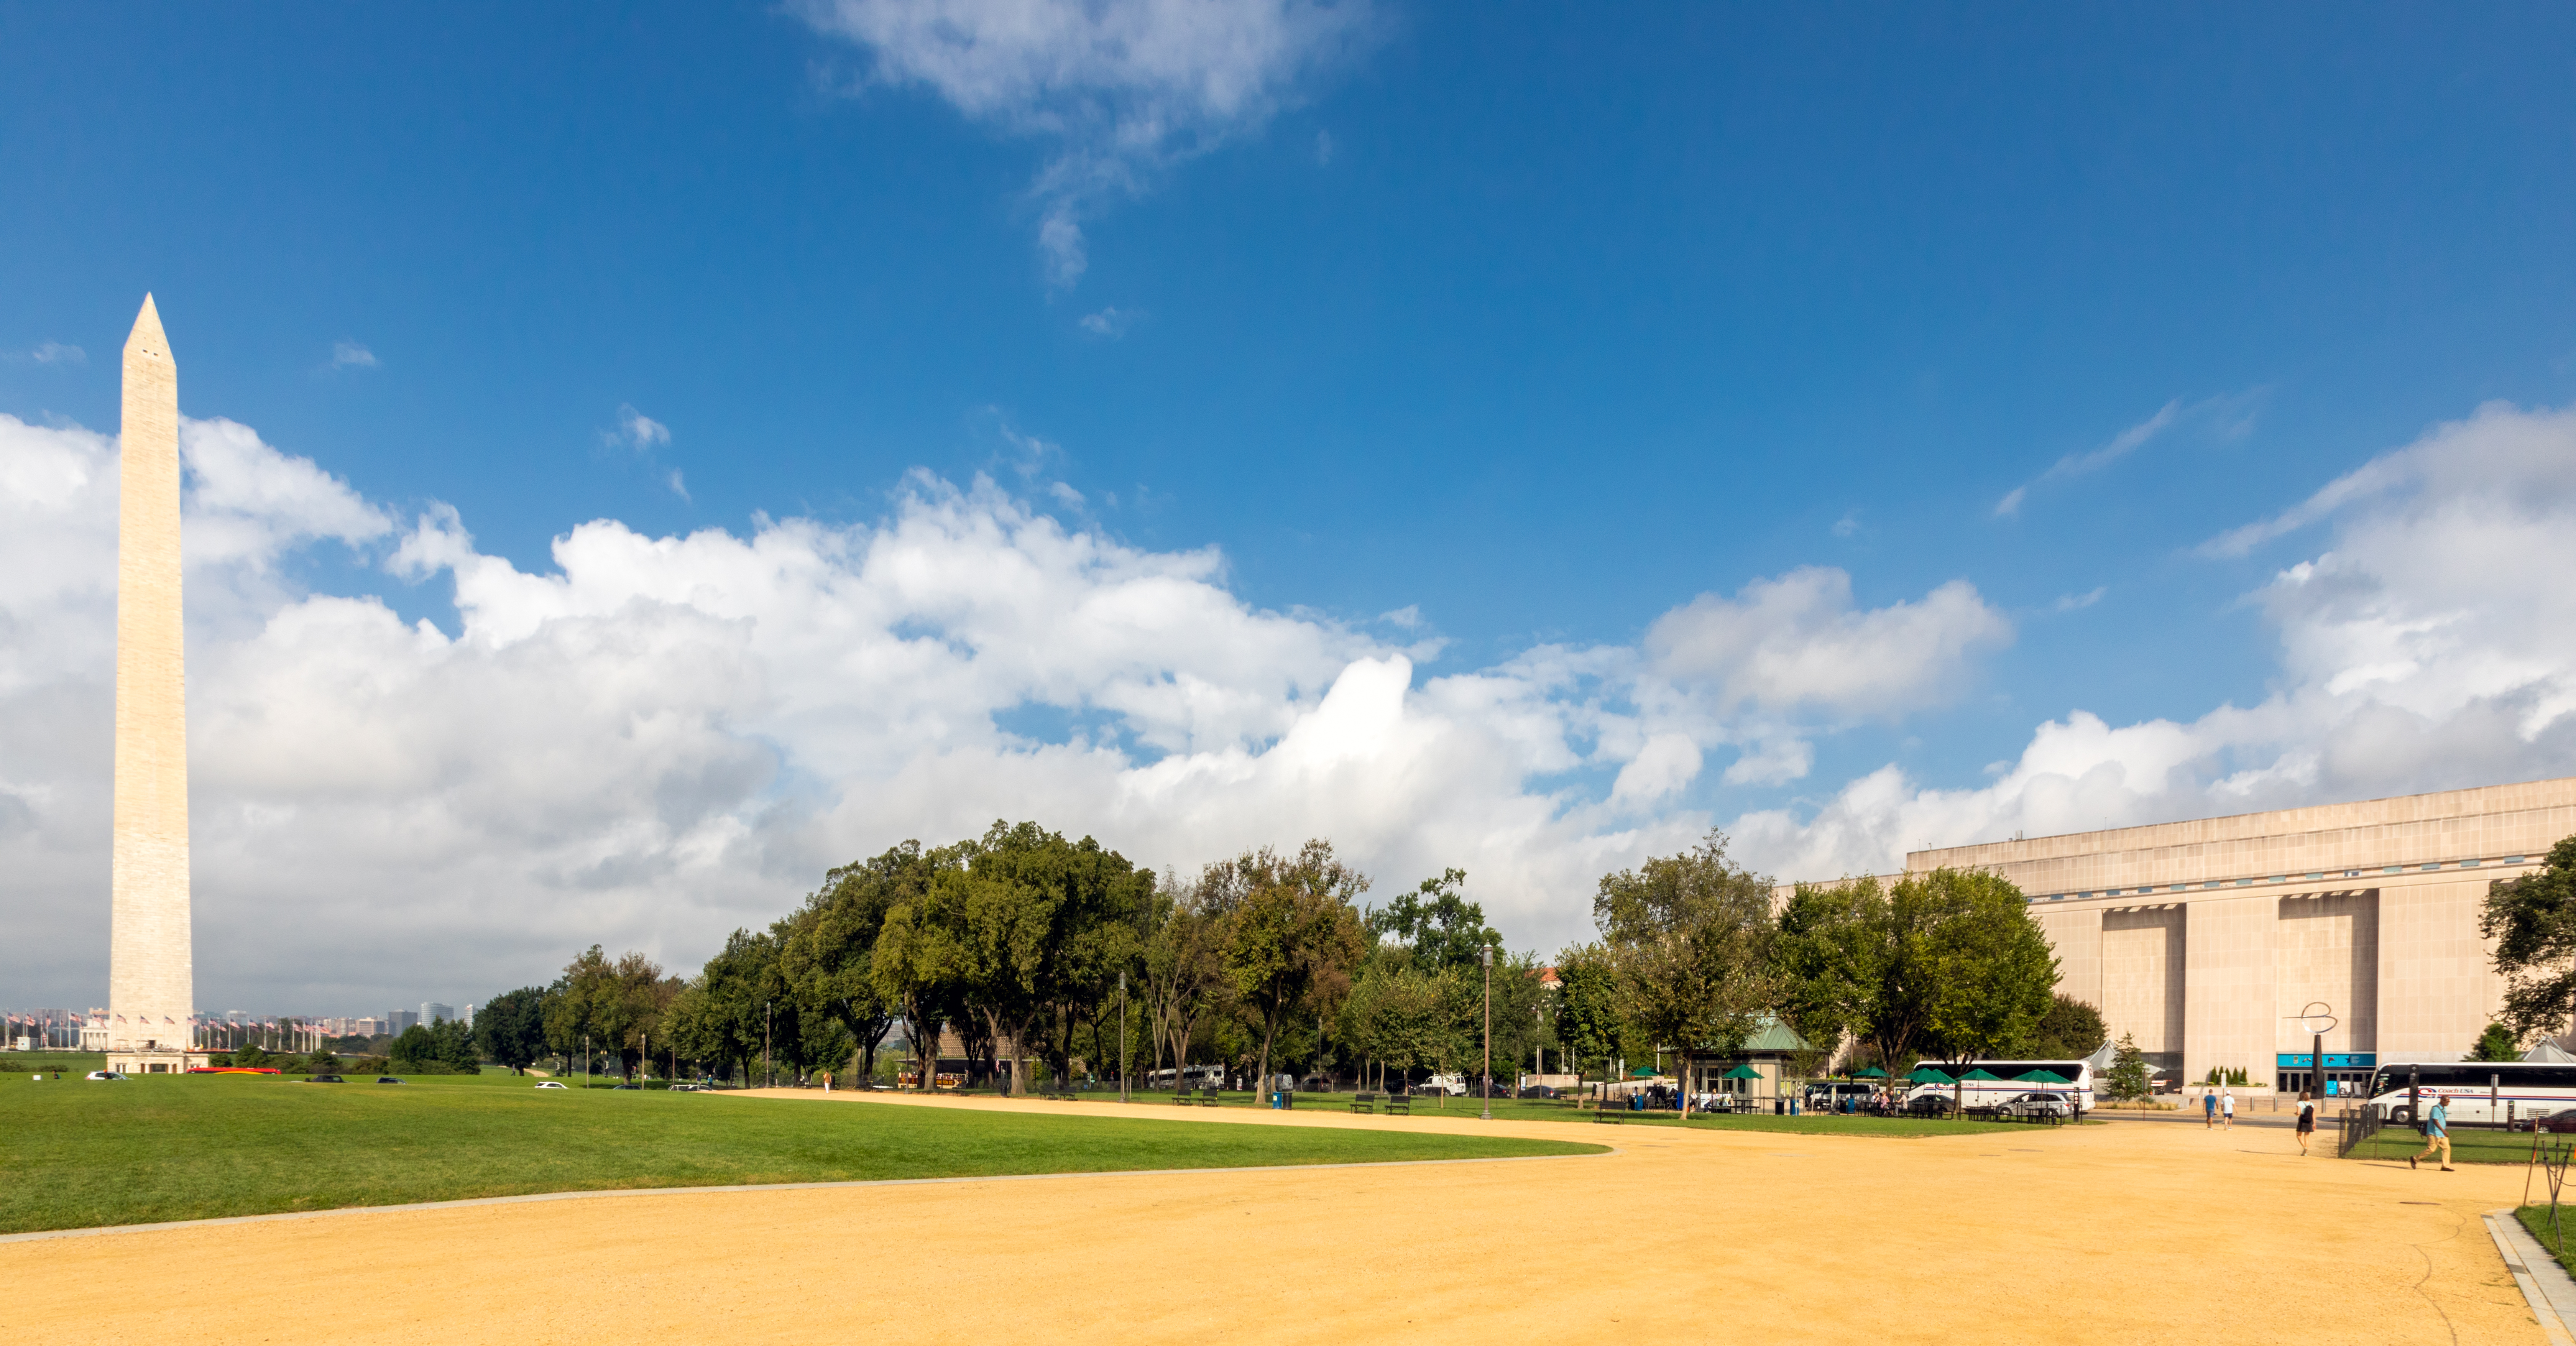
(151, 975)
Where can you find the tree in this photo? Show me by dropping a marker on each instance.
(2496, 1044)
(1587, 1011)
(1945, 963)
(719, 1016)
(2531, 920)
(1402, 1014)
(443, 1048)
(1436, 924)
(511, 1029)
(1297, 936)
(1992, 969)
(2069, 1030)
(828, 953)
(1687, 936)
(2129, 1069)
(1181, 970)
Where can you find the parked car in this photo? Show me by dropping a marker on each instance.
(552, 1084)
(325, 1079)
(387, 1079)
(614, 1087)
(105, 1075)
(2035, 1104)
(1539, 1091)
(2562, 1120)
(1929, 1105)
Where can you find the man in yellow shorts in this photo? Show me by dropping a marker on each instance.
(2437, 1134)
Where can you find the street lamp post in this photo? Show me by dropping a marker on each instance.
(768, 1077)
(1489, 1033)
(1122, 1037)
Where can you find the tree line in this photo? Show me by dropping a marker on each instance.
(1041, 959)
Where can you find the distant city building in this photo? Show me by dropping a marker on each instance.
(398, 1020)
(469, 1016)
(369, 1026)
(432, 1012)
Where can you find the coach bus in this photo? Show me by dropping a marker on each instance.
(2486, 1092)
(2008, 1083)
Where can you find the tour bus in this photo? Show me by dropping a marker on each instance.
(2480, 1091)
(1197, 1077)
(1974, 1095)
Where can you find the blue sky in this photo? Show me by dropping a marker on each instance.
(1537, 325)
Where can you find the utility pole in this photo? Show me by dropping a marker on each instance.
(768, 1077)
(1489, 1033)
(1122, 1037)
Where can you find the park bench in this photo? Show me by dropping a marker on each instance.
(1399, 1105)
(1614, 1116)
(1207, 1096)
(1364, 1103)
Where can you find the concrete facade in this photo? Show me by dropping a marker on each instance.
(151, 972)
(2205, 938)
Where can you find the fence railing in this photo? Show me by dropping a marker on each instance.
(2356, 1125)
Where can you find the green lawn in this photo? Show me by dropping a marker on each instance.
(2467, 1147)
(83, 1154)
(2536, 1219)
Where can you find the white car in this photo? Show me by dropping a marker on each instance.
(551, 1084)
(105, 1075)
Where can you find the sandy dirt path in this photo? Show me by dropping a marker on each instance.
(2135, 1233)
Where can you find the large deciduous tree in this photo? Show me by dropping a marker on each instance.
(1688, 937)
(1181, 970)
(1297, 937)
(2531, 920)
(510, 1029)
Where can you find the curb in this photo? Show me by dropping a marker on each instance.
(2546, 1286)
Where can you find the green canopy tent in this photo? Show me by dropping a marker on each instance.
(1927, 1075)
(1980, 1073)
(1742, 1073)
(2048, 1077)
(1869, 1073)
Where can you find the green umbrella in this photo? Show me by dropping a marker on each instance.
(1927, 1075)
(1980, 1074)
(1742, 1073)
(1869, 1073)
(1642, 1073)
(2044, 1077)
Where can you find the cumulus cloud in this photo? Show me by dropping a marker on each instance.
(649, 740)
(1122, 88)
(2431, 645)
(347, 354)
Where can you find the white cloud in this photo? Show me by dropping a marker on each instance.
(2431, 646)
(1796, 641)
(1111, 322)
(653, 739)
(346, 354)
(1848, 524)
(58, 353)
(2227, 417)
(636, 431)
(1123, 88)
(2078, 602)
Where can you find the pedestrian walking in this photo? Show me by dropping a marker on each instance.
(2437, 1133)
(2227, 1109)
(2307, 1119)
(2208, 1109)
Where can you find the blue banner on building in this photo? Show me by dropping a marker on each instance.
(2334, 1060)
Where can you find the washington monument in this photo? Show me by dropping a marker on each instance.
(151, 975)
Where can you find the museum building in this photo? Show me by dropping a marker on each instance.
(2207, 939)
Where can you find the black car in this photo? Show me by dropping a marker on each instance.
(1538, 1091)
(387, 1079)
(325, 1079)
(1929, 1105)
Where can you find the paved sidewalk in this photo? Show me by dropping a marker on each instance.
(2545, 1284)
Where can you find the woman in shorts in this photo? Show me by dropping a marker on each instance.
(2307, 1119)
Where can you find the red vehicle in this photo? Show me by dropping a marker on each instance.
(232, 1070)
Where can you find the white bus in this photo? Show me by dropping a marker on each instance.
(1198, 1077)
(2480, 1091)
(2009, 1084)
